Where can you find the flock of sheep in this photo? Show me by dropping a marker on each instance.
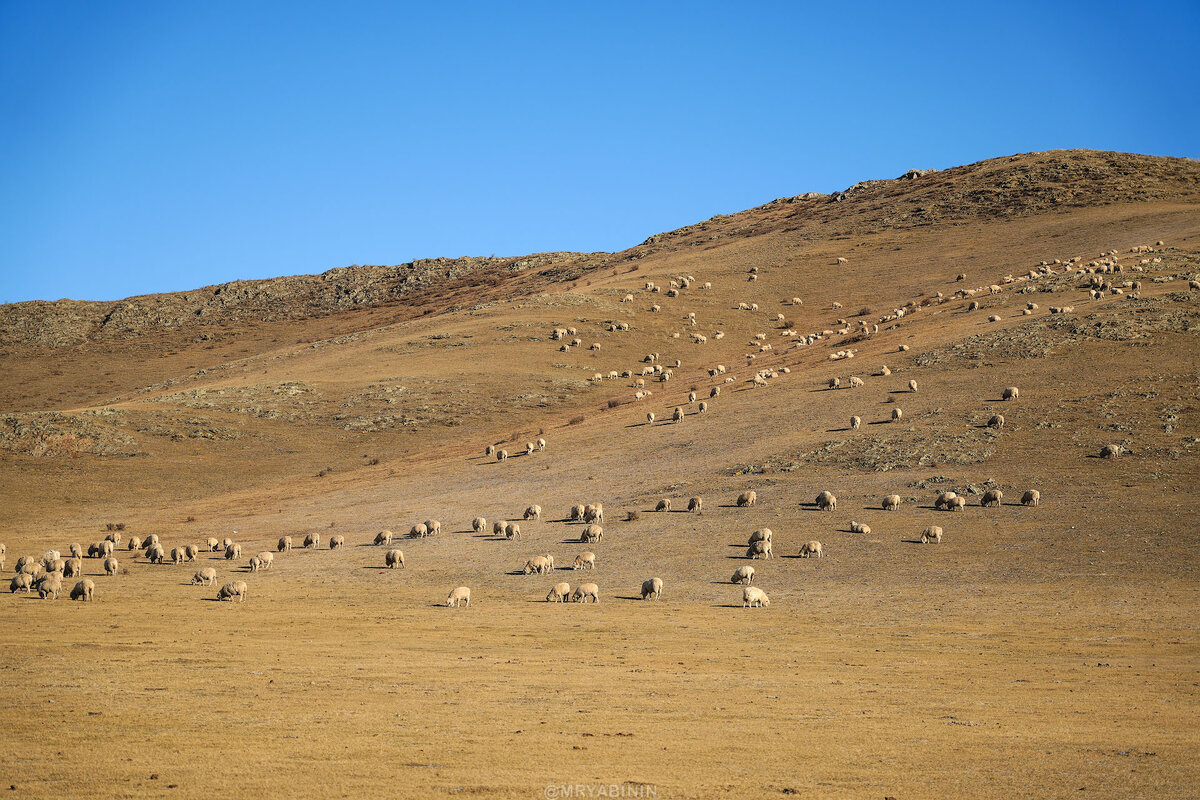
(45, 575)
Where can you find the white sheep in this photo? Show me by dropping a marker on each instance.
(912, 386)
(586, 560)
(266, 559)
(255, 563)
(210, 543)
(585, 591)
(1031, 497)
(996, 421)
(855, 423)
(529, 448)
(811, 550)
(459, 596)
(1111, 451)
(696, 504)
(393, 558)
(943, 499)
(541, 443)
(891, 502)
(957, 503)
(992, 498)
(105, 549)
(747, 498)
(743, 575)
(759, 550)
(663, 505)
(650, 418)
(190, 552)
(592, 533)
(206, 576)
(49, 586)
(384, 537)
(760, 535)
(754, 597)
(156, 553)
(231, 590)
(490, 450)
(76, 552)
(85, 590)
(678, 415)
(21, 582)
(826, 501)
(533, 512)
(512, 531)
(501, 455)
(559, 593)
(859, 527)
(897, 415)
(433, 527)
(1010, 393)
(72, 568)
(498, 527)
(835, 383)
(593, 512)
(233, 551)
(652, 589)
(931, 534)
(418, 531)
(312, 540)
(285, 544)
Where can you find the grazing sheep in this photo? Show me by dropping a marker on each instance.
(754, 597)
(231, 590)
(649, 418)
(811, 550)
(21, 583)
(743, 575)
(190, 552)
(931, 534)
(583, 592)
(663, 505)
(156, 553)
(501, 455)
(996, 421)
(1010, 393)
(912, 386)
(512, 531)
(538, 564)
(533, 512)
(177, 555)
(559, 593)
(233, 551)
(835, 383)
(49, 586)
(1110, 451)
(973, 305)
(747, 499)
(992, 498)
(859, 527)
(24, 561)
(224, 542)
(855, 423)
(418, 531)
(266, 559)
(702, 408)
(994, 318)
(384, 537)
(85, 590)
(884, 371)
(943, 499)
(255, 563)
(593, 512)
(206, 576)
(393, 558)
(479, 524)
(652, 589)
(903, 348)
(490, 450)
(459, 596)
(285, 544)
(529, 448)
(73, 568)
(897, 415)
(76, 551)
(826, 501)
(541, 443)
(433, 527)
(958, 503)
(498, 527)
(1031, 497)
(714, 392)
(212, 544)
(312, 540)
(113, 537)
(104, 549)
(760, 549)
(891, 502)
(696, 504)
(678, 415)
(111, 566)
(585, 560)
(760, 535)
(592, 533)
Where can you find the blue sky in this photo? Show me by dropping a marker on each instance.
(160, 146)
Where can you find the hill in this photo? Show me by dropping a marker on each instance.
(1058, 637)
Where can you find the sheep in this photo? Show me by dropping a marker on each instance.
(859, 527)
(1010, 393)
(49, 585)
(835, 383)
(973, 305)
(855, 382)
(1031, 497)
(912, 386)
(529, 448)
(533, 512)
(747, 498)
(224, 542)
(584, 591)
(512, 531)
(855, 423)
(760, 549)
(743, 575)
(206, 576)
(50, 556)
(433, 527)
(231, 590)
(931, 534)
(884, 371)
(996, 421)
(754, 597)
(85, 590)
(891, 502)
(418, 531)
(111, 566)
(76, 551)
(559, 593)
(678, 415)
(21, 583)
(943, 499)
(592, 533)
(897, 415)
(585, 560)
(459, 596)
(156, 553)
(696, 504)
(650, 418)
(190, 552)
(957, 503)
(593, 512)
(393, 558)
(383, 537)
(255, 563)
(992, 497)
(72, 568)
(266, 559)
(23, 562)
(312, 540)
(760, 535)
(826, 501)
(105, 549)
(177, 555)
(663, 505)
(233, 551)
(541, 443)
(479, 524)
(1111, 451)
(652, 589)
(113, 537)
(501, 455)
(490, 450)
(285, 544)
(702, 408)
(811, 550)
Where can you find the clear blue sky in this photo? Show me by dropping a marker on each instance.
(157, 146)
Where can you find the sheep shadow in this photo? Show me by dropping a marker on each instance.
(728, 505)
(742, 558)
(880, 422)
(911, 541)
(626, 597)
(380, 568)
(837, 430)
(728, 605)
